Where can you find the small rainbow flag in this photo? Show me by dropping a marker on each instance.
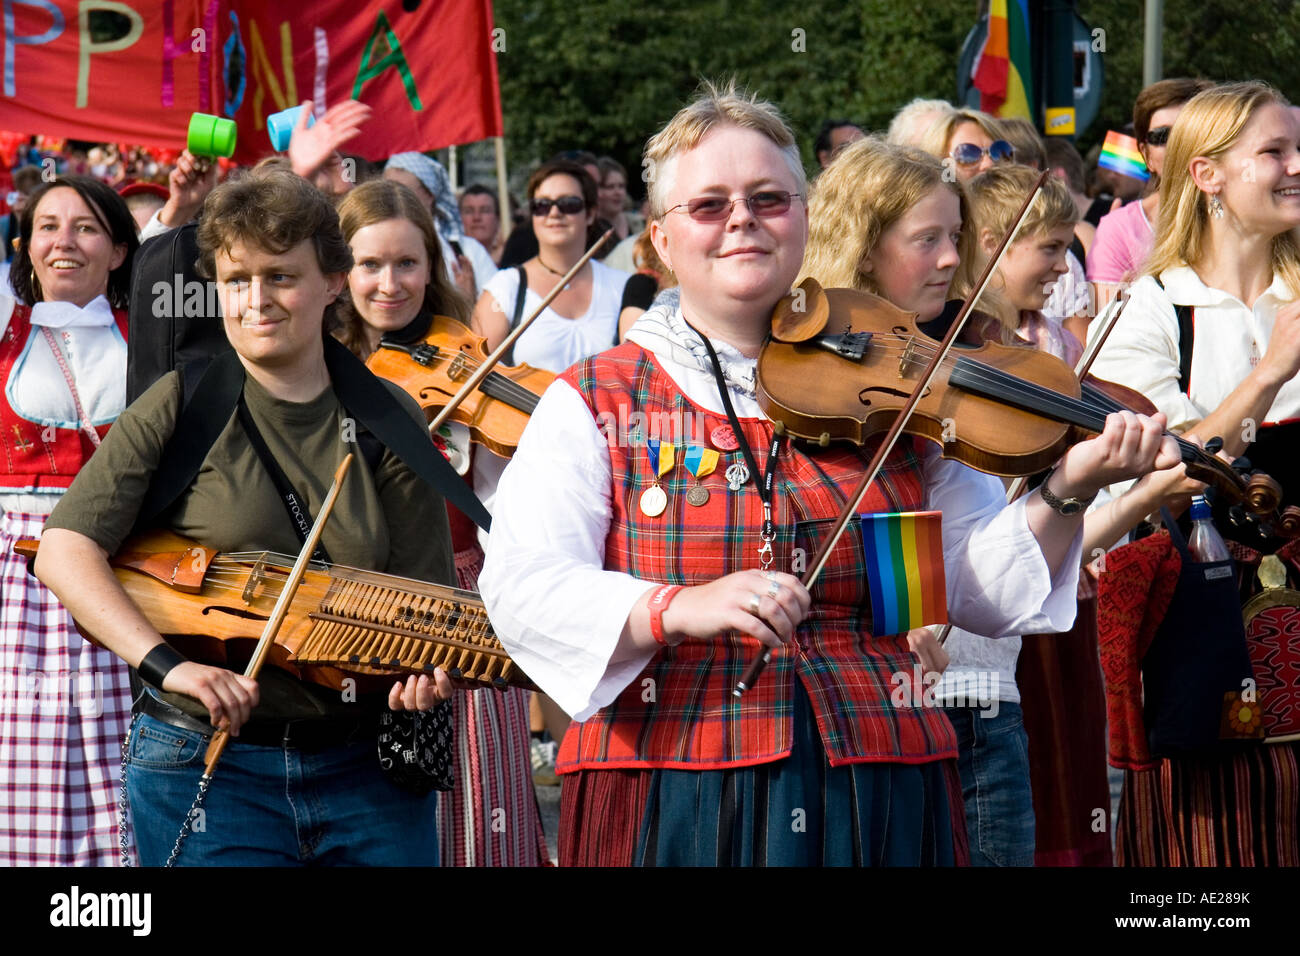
(1120, 153)
(904, 553)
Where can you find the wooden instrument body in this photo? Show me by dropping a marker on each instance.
(343, 623)
(855, 400)
(433, 372)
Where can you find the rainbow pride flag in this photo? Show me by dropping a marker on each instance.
(904, 553)
(1120, 153)
(1002, 69)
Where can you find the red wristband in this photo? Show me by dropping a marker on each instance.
(659, 602)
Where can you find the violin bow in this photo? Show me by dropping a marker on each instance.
(850, 508)
(491, 361)
(217, 746)
(1108, 318)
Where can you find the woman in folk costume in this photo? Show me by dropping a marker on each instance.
(1220, 294)
(64, 704)
(635, 593)
(396, 286)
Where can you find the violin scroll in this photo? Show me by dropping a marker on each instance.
(1263, 495)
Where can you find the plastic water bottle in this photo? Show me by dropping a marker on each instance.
(1204, 542)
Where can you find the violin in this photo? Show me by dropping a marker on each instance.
(342, 623)
(433, 370)
(1002, 409)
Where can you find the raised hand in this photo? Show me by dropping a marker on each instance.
(314, 150)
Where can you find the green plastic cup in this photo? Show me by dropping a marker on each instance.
(211, 136)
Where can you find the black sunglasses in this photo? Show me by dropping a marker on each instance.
(1158, 136)
(568, 205)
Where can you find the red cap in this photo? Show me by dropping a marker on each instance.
(138, 187)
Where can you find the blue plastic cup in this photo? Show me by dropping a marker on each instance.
(280, 126)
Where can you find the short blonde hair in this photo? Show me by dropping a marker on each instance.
(1209, 125)
(715, 106)
(935, 141)
(995, 196)
(906, 128)
(870, 186)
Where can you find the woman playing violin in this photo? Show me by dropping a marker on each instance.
(396, 286)
(300, 781)
(1221, 288)
(637, 607)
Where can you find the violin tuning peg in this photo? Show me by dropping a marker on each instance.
(1213, 445)
(1241, 464)
(1237, 516)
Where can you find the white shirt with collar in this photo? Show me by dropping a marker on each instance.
(1228, 341)
(559, 613)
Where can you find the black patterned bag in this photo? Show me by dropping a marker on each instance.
(415, 748)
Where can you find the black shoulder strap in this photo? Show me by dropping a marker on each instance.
(294, 506)
(209, 396)
(364, 395)
(509, 357)
(1186, 316)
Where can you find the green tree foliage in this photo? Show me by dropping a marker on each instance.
(1219, 40)
(604, 74)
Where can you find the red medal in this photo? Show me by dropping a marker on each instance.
(723, 438)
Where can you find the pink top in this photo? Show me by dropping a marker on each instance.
(1124, 238)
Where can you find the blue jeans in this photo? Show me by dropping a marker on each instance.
(993, 760)
(273, 807)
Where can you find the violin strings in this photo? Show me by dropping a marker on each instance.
(1097, 403)
(504, 383)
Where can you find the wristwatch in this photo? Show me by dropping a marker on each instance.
(1063, 506)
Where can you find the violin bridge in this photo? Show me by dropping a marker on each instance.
(255, 577)
(456, 371)
(909, 350)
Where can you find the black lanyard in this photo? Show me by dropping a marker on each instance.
(293, 502)
(768, 532)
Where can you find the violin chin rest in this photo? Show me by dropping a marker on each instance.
(802, 314)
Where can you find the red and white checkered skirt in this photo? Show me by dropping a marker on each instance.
(64, 709)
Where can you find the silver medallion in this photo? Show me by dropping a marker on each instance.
(697, 496)
(737, 475)
(653, 501)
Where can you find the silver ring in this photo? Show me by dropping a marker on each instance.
(773, 589)
(754, 601)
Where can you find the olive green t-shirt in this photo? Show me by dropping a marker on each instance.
(388, 521)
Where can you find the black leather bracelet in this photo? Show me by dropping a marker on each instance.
(158, 663)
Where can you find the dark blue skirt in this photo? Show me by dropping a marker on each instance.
(800, 811)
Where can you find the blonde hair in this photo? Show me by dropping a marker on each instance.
(906, 128)
(381, 200)
(715, 106)
(1026, 140)
(935, 140)
(995, 196)
(870, 186)
(1209, 125)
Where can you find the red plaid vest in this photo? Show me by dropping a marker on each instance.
(680, 712)
(31, 462)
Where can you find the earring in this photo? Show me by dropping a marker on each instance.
(1216, 206)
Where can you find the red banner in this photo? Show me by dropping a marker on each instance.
(132, 71)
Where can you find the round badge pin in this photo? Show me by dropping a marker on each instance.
(653, 501)
(698, 496)
(723, 438)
